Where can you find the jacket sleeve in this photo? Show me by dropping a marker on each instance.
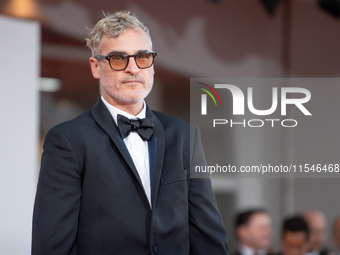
(57, 201)
(207, 233)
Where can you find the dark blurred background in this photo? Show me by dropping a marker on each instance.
(205, 38)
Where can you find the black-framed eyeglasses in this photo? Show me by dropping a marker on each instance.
(120, 61)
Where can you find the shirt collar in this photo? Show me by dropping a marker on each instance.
(115, 111)
(245, 250)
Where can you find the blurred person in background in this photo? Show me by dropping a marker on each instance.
(295, 236)
(253, 231)
(336, 236)
(317, 227)
(116, 179)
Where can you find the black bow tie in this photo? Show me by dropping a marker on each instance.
(144, 127)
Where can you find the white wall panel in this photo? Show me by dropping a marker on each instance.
(19, 71)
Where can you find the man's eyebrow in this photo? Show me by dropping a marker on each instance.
(123, 52)
(116, 52)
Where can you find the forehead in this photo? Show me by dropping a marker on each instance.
(315, 218)
(259, 217)
(297, 238)
(130, 42)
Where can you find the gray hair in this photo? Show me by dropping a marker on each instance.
(113, 25)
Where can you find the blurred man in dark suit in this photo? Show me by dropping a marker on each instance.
(336, 236)
(253, 231)
(317, 226)
(295, 236)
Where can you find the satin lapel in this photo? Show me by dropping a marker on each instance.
(152, 157)
(104, 119)
(157, 143)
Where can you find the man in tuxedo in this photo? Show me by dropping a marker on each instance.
(253, 231)
(116, 179)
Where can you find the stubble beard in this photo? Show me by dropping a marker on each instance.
(127, 96)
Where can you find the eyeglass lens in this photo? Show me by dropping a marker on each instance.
(143, 60)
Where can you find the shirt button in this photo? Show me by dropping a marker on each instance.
(155, 249)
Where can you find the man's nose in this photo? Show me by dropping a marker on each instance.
(132, 66)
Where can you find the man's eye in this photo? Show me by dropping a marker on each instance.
(143, 56)
(117, 57)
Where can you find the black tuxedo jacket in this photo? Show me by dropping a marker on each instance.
(90, 200)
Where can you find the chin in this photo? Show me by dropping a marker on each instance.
(129, 99)
(135, 97)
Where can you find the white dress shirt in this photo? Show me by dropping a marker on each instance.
(245, 250)
(138, 149)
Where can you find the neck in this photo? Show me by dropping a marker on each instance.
(250, 247)
(133, 108)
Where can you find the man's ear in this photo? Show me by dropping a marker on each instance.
(240, 232)
(94, 67)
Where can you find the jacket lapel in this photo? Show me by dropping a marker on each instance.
(152, 157)
(104, 119)
(156, 155)
(156, 145)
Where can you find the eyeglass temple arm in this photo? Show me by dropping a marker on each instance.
(100, 57)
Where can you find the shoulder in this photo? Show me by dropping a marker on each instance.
(174, 124)
(177, 129)
(80, 120)
(74, 127)
(171, 121)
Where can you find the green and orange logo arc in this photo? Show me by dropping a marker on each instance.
(209, 93)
